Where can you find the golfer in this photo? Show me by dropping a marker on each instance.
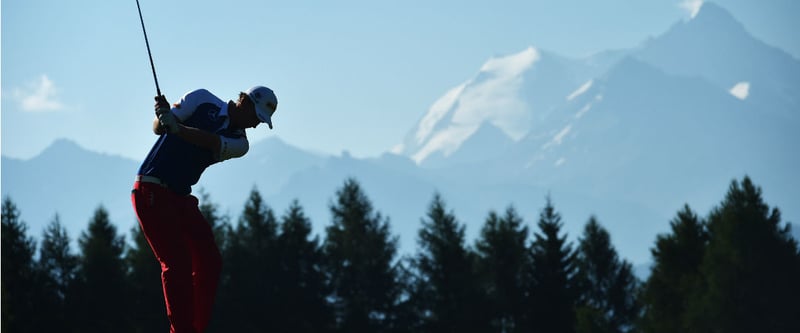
(194, 133)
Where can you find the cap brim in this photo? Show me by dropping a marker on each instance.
(264, 116)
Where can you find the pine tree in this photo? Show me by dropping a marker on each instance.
(751, 268)
(102, 285)
(148, 309)
(18, 272)
(58, 267)
(223, 234)
(361, 253)
(554, 293)
(301, 282)
(247, 300)
(448, 289)
(505, 265)
(608, 288)
(675, 274)
(407, 315)
(220, 223)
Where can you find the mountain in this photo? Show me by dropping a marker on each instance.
(522, 93)
(397, 187)
(514, 93)
(70, 181)
(267, 167)
(474, 148)
(717, 47)
(632, 135)
(67, 180)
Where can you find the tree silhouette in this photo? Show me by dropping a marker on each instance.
(18, 272)
(448, 289)
(751, 268)
(301, 282)
(58, 268)
(675, 274)
(248, 300)
(220, 223)
(607, 301)
(102, 284)
(554, 292)
(225, 304)
(505, 264)
(361, 254)
(734, 271)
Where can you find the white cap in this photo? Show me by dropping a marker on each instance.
(265, 101)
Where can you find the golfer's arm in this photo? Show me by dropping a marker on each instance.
(193, 135)
(200, 138)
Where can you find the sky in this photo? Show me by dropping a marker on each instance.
(350, 75)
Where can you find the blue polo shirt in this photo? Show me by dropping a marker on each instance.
(179, 163)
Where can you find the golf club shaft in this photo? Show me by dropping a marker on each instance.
(146, 42)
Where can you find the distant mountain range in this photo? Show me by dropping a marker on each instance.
(626, 135)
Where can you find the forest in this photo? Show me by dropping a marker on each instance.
(733, 269)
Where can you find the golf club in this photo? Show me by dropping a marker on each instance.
(146, 42)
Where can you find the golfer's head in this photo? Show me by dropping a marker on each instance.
(265, 103)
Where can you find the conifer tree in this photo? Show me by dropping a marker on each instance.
(361, 253)
(554, 293)
(751, 268)
(505, 266)
(103, 302)
(248, 297)
(301, 282)
(58, 268)
(448, 289)
(223, 233)
(18, 272)
(608, 288)
(220, 223)
(675, 274)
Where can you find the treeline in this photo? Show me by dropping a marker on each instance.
(735, 270)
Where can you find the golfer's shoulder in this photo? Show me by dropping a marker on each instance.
(199, 96)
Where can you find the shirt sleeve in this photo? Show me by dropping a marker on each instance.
(186, 106)
(232, 147)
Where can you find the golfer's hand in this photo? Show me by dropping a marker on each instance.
(162, 106)
(169, 122)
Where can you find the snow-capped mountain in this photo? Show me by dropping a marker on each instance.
(514, 93)
(672, 121)
(533, 92)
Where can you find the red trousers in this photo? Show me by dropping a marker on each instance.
(183, 243)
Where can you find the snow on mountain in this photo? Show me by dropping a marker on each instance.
(513, 93)
(491, 96)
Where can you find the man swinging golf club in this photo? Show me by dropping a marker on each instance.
(198, 131)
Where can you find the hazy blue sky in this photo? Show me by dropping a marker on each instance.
(349, 75)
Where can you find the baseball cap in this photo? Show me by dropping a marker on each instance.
(265, 101)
